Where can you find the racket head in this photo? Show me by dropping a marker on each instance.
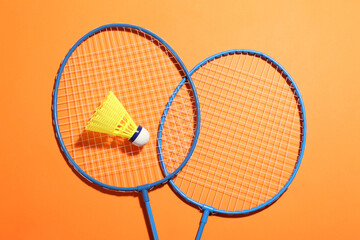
(180, 190)
(159, 48)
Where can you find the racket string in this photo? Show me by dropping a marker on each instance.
(201, 167)
(271, 131)
(143, 73)
(251, 129)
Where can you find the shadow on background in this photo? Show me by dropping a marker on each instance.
(89, 139)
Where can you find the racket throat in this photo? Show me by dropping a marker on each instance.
(205, 216)
(207, 210)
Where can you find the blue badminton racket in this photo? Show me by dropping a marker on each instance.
(252, 138)
(144, 73)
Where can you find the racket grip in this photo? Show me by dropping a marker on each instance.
(149, 212)
(202, 223)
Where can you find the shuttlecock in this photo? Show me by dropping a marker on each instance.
(112, 118)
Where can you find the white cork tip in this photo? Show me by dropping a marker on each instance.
(142, 138)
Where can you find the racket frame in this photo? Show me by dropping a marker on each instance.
(188, 78)
(211, 210)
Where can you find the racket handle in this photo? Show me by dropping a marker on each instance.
(149, 212)
(202, 223)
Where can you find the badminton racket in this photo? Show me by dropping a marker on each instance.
(252, 136)
(152, 84)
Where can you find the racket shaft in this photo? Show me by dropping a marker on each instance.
(149, 213)
(202, 224)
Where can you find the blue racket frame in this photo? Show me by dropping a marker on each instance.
(209, 209)
(142, 188)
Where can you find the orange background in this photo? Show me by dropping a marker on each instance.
(316, 41)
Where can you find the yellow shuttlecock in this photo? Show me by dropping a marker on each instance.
(112, 118)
